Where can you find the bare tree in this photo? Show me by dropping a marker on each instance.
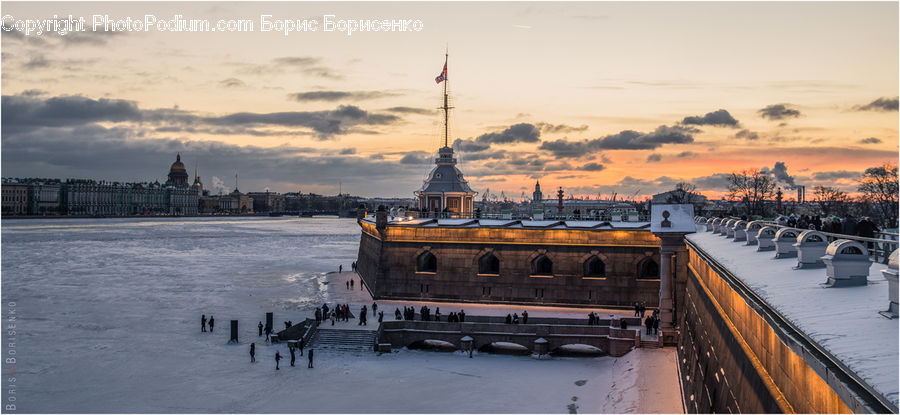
(879, 187)
(753, 188)
(683, 193)
(831, 200)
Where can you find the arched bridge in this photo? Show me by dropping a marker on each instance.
(614, 341)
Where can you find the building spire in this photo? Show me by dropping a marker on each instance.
(446, 107)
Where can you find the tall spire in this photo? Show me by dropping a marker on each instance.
(446, 107)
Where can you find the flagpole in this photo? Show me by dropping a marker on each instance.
(446, 107)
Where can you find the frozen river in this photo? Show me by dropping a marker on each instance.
(107, 320)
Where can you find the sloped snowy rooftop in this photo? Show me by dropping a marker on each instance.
(843, 321)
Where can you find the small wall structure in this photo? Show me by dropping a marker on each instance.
(614, 341)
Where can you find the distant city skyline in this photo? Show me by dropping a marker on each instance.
(596, 98)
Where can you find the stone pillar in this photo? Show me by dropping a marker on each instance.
(670, 222)
(665, 286)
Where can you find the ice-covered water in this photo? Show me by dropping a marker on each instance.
(107, 320)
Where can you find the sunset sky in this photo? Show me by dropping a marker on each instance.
(594, 97)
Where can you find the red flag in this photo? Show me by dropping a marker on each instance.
(443, 76)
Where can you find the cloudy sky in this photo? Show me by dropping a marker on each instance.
(594, 97)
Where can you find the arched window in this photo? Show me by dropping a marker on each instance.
(426, 262)
(594, 267)
(542, 266)
(648, 269)
(488, 264)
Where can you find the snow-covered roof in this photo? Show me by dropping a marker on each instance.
(511, 223)
(843, 321)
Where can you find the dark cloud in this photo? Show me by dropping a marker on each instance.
(331, 96)
(416, 158)
(624, 140)
(20, 111)
(567, 149)
(880, 104)
(719, 118)
(750, 135)
(324, 123)
(559, 128)
(411, 110)
(592, 167)
(870, 140)
(232, 83)
(686, 154)
(653, 158)
(470, 146)
(486, 155)
(77, 152)
(778, 112)
(349, 150)
(836, 175)
(518, 133)
(631, 140)
(718, 181)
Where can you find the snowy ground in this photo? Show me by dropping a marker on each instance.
(108, 321)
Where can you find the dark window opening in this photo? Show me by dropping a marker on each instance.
(489, 264)
(649, 269)
(426, 262)
(594, 267)
(542, 266)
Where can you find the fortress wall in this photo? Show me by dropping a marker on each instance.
(732, 360)
(391, 266)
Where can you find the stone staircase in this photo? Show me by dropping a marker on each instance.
(650, 344)
(355, 341)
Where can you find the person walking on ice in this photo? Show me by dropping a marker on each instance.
(211, 322)
(260, 326)
(292, 356)
(310, 354)
(203, 323)
(340, 269)
(277, 359)
(252, 352)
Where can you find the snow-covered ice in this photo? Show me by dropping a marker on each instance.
(108, 317)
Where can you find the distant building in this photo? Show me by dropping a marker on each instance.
(90, 197)
(44, 197)
(244, 202)
(537, 196)
(267, 201)
(177, 173)
(15, 198)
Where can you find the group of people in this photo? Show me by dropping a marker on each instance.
(204, 322)
(848, 225)
(652, 323)
(514, 318)
(341, 312)
(593, 319)
(409, 313)
(639, 309)
(292, 350)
